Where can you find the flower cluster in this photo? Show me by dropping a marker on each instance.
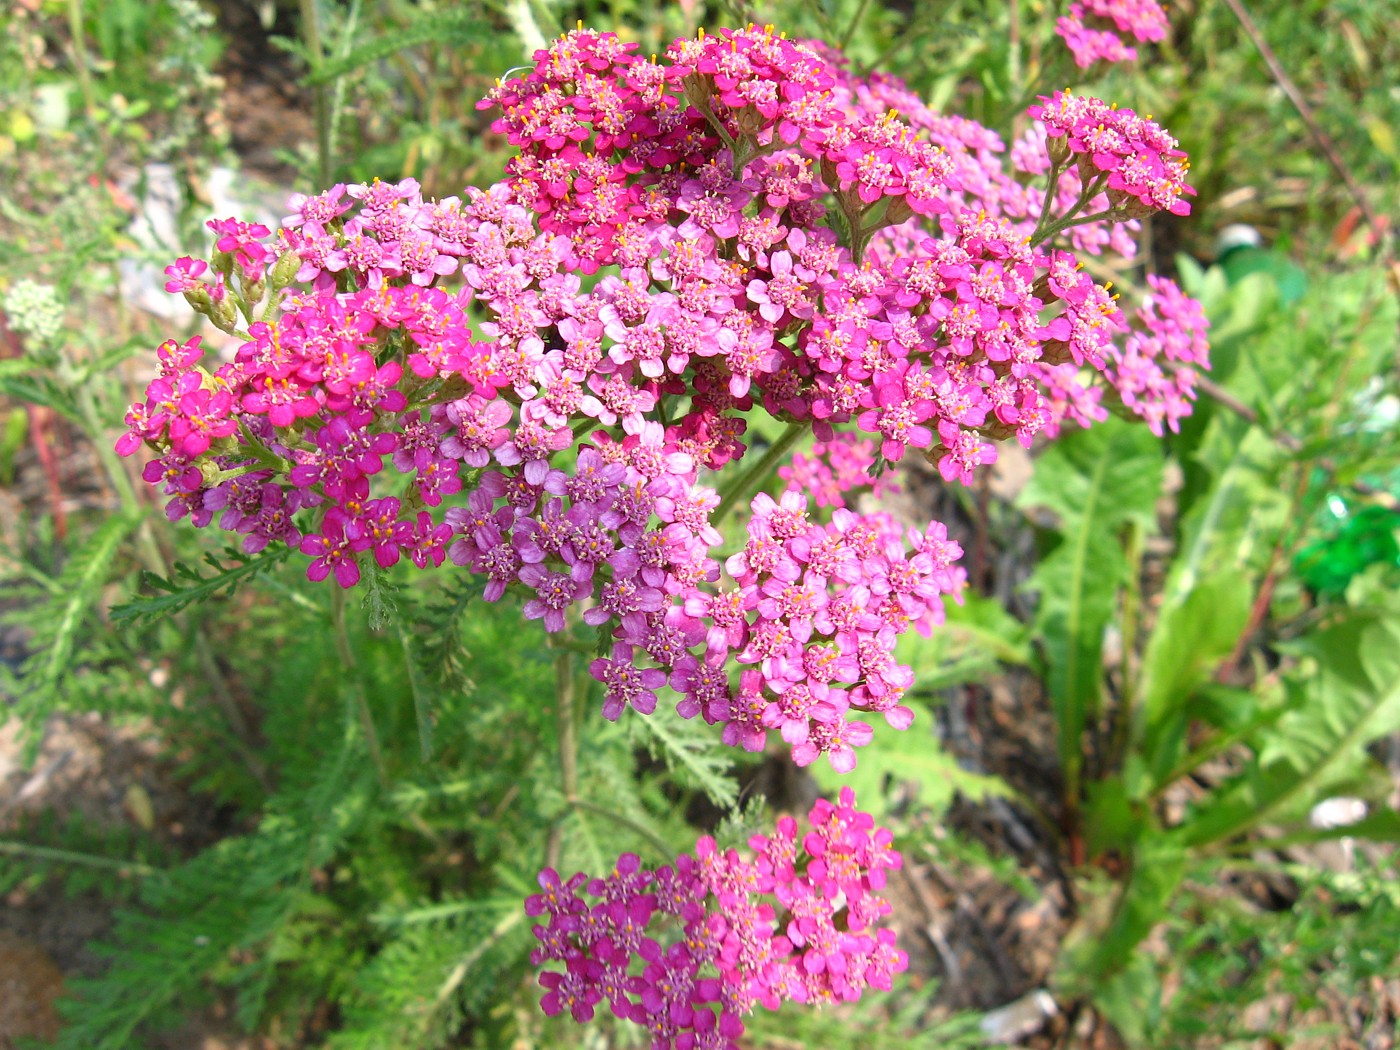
(1132, 158)
(835, 469)
(1151, 372)
(688, 950)
(1095, 30)
(538, 380)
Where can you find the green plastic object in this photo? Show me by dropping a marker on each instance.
(1240, 251)
(1364, 539)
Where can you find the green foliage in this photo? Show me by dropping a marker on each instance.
(1097, 483)
(1344, 695)
(1296, 737)
(689, 753)
(917, 757)
(450, 27)
(237, 895)
(382, 880)
(186, 586)
(59, 622)
(1231, 959)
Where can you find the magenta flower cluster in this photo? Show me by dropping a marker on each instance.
(540, 382)
(657, 266)
(836, 469)
(1151, 372)
(1131, 158)
(1098, 30)
(688, 950)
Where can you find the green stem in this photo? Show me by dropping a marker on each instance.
(663, 849)
(564, 699)
(1051, 185)
(87, 860)
(311, 36)
(1072, 217)
(855, 22)
(356, 687)
(80, 61)
(745, 483)
(1132, 609)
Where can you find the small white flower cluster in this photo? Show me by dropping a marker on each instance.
(34, 310)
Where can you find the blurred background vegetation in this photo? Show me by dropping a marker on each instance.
(1188, 845)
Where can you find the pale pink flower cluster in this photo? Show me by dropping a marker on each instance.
(1097, 30)
(837, 468)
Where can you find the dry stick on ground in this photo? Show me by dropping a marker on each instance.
(1323, 140)
(1006, 969)
(952, 969)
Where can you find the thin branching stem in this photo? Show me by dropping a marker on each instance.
(320, 96)
(745, 483)
(663, 849)
(87, 860)
(854, 24)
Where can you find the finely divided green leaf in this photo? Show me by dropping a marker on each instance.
(690, 753)
(451, 27)
(186, 585)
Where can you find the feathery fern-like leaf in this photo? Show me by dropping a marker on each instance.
(448, 26)
(690, 754)
(186, 586)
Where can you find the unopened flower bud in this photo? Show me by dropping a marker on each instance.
(252, 290)
(699, 88)
(284, 270)
(224, 314)
(749, 121)
(1057, 149)
(897, 211)
(199, 299)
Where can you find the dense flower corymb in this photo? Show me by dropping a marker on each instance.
(686, 951)
(540, 381)
(1095, 30)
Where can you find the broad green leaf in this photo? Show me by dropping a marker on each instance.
(1228, 525)
(1380, 826)
(1112, 820)
(1095, 481)
(1104, 941)
(1131, 999)
(1348, 697)
(1191, 638)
